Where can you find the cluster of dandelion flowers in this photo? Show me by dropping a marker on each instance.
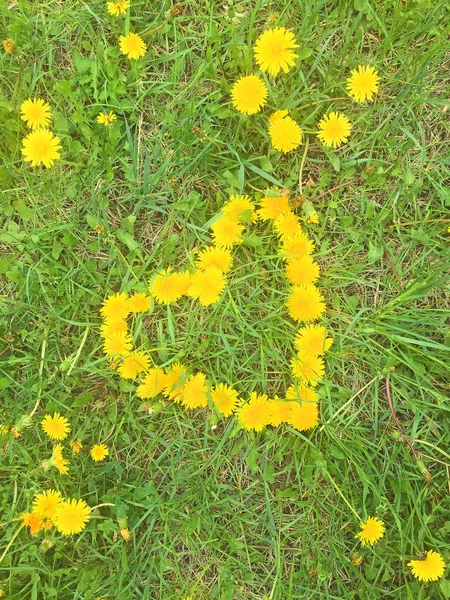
(35, 112)
(71, 516)
(430, 568)
(249, 94)
(285, 134)
(41, 147)
(56, 427)
(334, 130)
(118, 8)
(106, 118)
(274, 50)
(133, 46)
(372, 530)
(362, 84)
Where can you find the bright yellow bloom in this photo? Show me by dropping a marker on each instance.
(241, 208)
(313, 218)
(56, 427)
(334, 130)
(308, 368)
(285, 134)
(225, 399)
(195, 392)
(125, 533)
(273, 50)
(99, 452)
(115, 307)
(277, 116)
(133, 364)
(132, 45)
(139, 303)
(176, 378)
(430, 568)
(207, 286)
(249, 94)
(296, 246)
(227, 231)
(372, 531)
(106, 118)
(8, 45)
(302, 271)
(255, 414)
(16, 432)
(184, 282)
(212, 256)
(301, 394)
(34, 521)
(362, 83)
(118, 8)
(306, 303)
(117, 343)
(271, 208)
(76, 446)
(112, 327)
(154, 382)
(279, 412)
(35, 112)
(312, 339)
(4, 429)
(41, 147)
(57, 460)
(72, 516)
(167, 287)
(46, 503)
(303, 416)
(287, 225)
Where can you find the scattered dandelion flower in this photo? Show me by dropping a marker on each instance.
(112, 327)
(372, 530)
(166, 287)
(430, 568)
(57, 460)
(225, 399)
(285, 134)
(301, 393)
(184, 282)
(133, 364)
(207, 286)
(34, 521)
(313, 339)
(46, 503)
(362, 84)
(154, 382)
(249, 94)
(115, 307)
(273, 50)
(41, 147)
(71, 516)
(175, 379)
(277, 116)
(8, 45)
(279, 412)
(313, 218)
(139, 303)
(241, 208)
(118, 8)
(306, 303)
(334, 130)
(76, 446)
(271, 208)
(132, 45)
(303, 416)
(99, 452)
(194, 392)
(255, 414)
(296, 246)
(213, 256)
(117, 343)
(35, 112)
(227, 231)
(302, 271)
(106, 118)
(308, 368)
(125, 533)
(56, 427)
(287, 225)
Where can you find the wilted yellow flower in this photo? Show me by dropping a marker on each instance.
(8, 45)
(76, 446)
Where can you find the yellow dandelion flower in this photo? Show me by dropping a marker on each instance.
(72, 516)
(302, 271)
(212, 256)
(41, 147)
(249, 94)
(225, 399)
(115, 307)
(132, 45)
(254, 414)
(285, 134)
(279, 412)
(430, 568)
(271, 208)
(8, 45)
(362, 84)
(4, 429)
(166, 287)
(227, 231)
(154, 382)
(313, 218)
(207, 286)
(301, 393)
(2, 593)
(296, 246)
(195, 392)
(372, 531)
(176, 378)
(334, 130)
(16, 432)
(117, 343)
(241, 208)
(35, 112)
(308, 368)
(99, 452)
(46, 503)
(303, 416)
(273, 50)
(34, 521)
(184, 282)
(76, 446)
(56, 427)
(106, 118)
(287, 225)
(139, 303)
(118, 8)
(113, 326)
(306, 303)
(125, 533)
(57, 460)
(133, 364)
(312, 339)
(277, 116)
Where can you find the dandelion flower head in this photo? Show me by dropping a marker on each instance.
(334, 130)
(71, 516)
(194, 392)
(285, 134)
(118, 8)
(46, 503)
(226, 231)
(99, 452)
(35, 112)
(255, 414)
(115, 307)
(249, 94)
(372, 530)
(274, 50)
(213, 256)
(106, 118)
(306, 303)
(56, 427)
(362, 84)
(430, 568)
(271, 208)
(41, 147)
(225, 399)
(132, 45)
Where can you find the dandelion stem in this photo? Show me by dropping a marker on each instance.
(101, 505)
(41, 370)
(342, 496)
(77, 356)
(302, 164)
(10, 543)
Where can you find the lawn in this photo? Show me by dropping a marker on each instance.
(188, 503)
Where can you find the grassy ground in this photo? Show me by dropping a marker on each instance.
(215, 513)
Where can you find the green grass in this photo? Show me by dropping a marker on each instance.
(216, 513)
